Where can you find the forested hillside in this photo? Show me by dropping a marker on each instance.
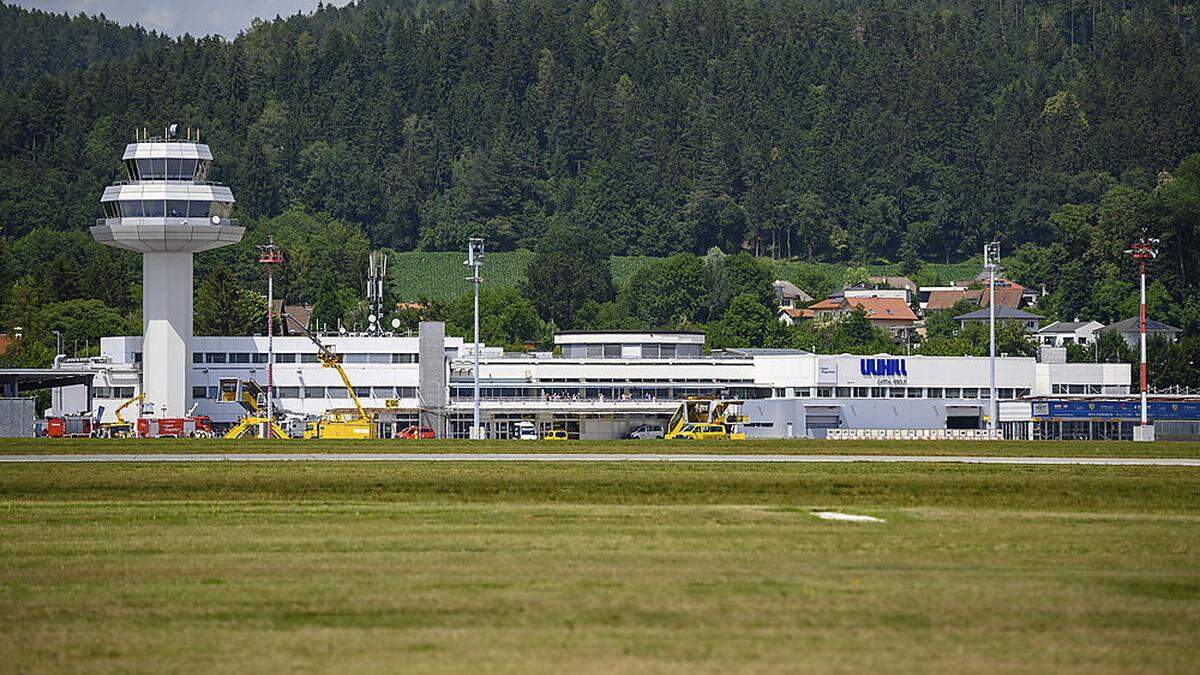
(34, 43)
(851, 132)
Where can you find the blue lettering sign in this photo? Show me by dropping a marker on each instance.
(880, 367)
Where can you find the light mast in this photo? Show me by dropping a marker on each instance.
(167, 210)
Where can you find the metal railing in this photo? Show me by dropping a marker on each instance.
(161, 220)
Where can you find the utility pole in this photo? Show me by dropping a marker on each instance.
(991, 261)
(1144, 250)
(270, 255)
(475, 262)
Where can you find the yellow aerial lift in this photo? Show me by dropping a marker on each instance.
(705, 418)
(357, 424)
(122, 428)
(246, 392)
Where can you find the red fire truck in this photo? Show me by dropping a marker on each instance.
(175, 427)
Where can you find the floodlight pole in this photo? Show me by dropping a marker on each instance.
(475, 261)
(270, 255)
(991, 260)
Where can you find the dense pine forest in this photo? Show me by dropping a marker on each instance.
(847, 131)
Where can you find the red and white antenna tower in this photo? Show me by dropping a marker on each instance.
(1144, 250)
(270, 255)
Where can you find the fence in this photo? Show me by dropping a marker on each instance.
(914, 435)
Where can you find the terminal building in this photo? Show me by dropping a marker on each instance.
(601, 385)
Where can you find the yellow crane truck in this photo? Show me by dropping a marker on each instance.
(339, 425)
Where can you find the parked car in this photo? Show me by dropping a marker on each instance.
(701, 432)
(525, 431)
(417, 432)
(555, 435)
(647, 431)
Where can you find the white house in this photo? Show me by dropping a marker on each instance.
(1061, 333)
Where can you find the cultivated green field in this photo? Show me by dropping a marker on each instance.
(527, 567)
(49, 446)
(440, 275)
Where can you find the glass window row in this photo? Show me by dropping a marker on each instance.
(166, 168)
(166, 208)
(303, 357)
(953, 393)
(614, 351)
(336, 393)
(113, 392)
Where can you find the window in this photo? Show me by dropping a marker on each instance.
(383, 392)
(933, 392)
(214, 357)
(862, 392)
(286, 392)
(896, 392)
(689, 351)
(101, 392)
(239, 357)
(177, 208)
(197, 357)
(915, 392)
(878, 392)
(153, 208)
(1004, 392)
(404, 358)
(970, 392)
(666, 351)
(199, 392)
(612, 351)
(1021, 392)
(953, 392)
(285, 358)
(354, 358)
(145, 169)
(336, 392)
(199, 209)
(308, 358)
(122, 392)
(649, 351)
(131, 209)
(137, 357)
(1074, 388)
(824, 392)
(258, 358)
(379, 358)
(803, 392)
(843, 392)
(314, 392)
(362, 392)
(213, 393)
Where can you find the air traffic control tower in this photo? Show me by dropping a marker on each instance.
(167, 210)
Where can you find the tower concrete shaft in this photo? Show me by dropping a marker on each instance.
(166, 330)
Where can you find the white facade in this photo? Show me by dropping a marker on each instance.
(597, 397)
(1061, 334)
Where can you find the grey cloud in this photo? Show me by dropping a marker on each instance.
(176, 17)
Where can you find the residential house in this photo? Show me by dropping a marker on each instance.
(1130, 330)
(1062, 333)
(896, 282)
(1003, 313)
(891, 314)
(788, 294)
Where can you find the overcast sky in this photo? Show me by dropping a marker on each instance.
(176, 17)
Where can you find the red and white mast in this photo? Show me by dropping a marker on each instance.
(1144, 250)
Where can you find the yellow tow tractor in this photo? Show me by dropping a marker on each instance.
(247, 393)
(706, 419)
(122, 428)
(555, 435)
(340, 425)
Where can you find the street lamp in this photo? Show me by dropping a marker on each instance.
(475, 262)
(991, 262)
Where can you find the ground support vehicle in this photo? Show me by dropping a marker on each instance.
(647, 432)
(705, 419)
(555, 435)
(248, 393)
(414, 432)
(71, 426)
(199, 426)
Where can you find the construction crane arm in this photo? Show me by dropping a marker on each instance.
(330, 359)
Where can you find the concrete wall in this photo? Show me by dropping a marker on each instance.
(17, 417)
(770, 417)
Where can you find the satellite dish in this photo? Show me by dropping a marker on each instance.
(395, 323)
(216, 220)
(174, 130)
(371, 318)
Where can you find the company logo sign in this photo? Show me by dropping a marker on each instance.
(883, 367)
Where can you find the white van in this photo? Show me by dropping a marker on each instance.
(646, 432)
(524, 431)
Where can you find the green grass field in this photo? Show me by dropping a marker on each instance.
(441, 276)
(528, 567)
(798, 446)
